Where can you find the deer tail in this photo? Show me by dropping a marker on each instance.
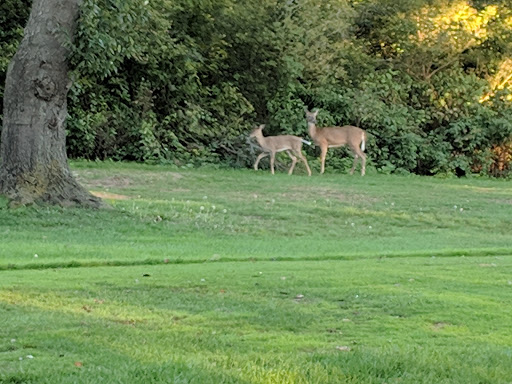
(306, 142)
(363, 138)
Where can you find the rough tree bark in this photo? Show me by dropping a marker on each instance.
(33, 160)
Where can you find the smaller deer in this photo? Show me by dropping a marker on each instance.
(332, 137)
(273, 144)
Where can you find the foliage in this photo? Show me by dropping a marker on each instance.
(184, 81)
(13, 17)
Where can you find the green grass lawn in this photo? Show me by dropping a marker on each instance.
(236, 276)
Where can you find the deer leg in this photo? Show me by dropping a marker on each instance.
(323, 153)
(294, 161)
(360, 154)
(272, 158)
(354, 165)
(303, 158)
(261, 156)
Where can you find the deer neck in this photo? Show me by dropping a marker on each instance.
(261, 140)
(312, 129)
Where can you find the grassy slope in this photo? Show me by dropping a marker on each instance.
(199, 215)
(364, 317)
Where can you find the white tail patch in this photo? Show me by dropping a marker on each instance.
(363, 143)
(306, 142)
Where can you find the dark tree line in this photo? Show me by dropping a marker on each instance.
(184, 81)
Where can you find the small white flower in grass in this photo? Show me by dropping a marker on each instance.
(283, 277)
(36, 255)
(30, 357)
(255, 196)
(201, 208)
(205, 197)
(203, 280)
(20, 358)
(393, 204)
(369, 227)
(273, 201)
(261, 273)
(224, 211)
(352, 224)
(461, 209)
(13, 340)
(136, 280)
(357, 296)
(454, 207)
(213, 207)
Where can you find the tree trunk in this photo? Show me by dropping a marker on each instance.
(33, 160)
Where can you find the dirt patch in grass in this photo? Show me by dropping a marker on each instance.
(502, 201)
(299, 193)
(114, 182)
(440, 326)
(124, 181)
(175, 190)
(487, 265)
(174, 175)
(159, 176)
(112, 196)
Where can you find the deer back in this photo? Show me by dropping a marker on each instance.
(281, 143)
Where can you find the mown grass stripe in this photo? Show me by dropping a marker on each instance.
(154, 261)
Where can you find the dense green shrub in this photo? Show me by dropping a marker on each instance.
(13, 17)
(184, 81)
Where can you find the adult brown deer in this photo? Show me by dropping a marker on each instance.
(273, 144)
(332, 137)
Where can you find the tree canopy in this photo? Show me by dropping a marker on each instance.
(185, 80)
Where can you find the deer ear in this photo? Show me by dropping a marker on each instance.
(262, 126)
(306, 109)
(316, 112)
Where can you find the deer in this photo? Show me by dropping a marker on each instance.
(332, 137)
(274, 144)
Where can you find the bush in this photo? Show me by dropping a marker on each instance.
(185, 81)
